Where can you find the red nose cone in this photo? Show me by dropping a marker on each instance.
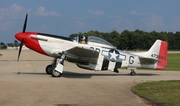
(20, 36)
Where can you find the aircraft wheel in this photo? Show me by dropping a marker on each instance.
(56, 73)
(132, 73)
(48, 69)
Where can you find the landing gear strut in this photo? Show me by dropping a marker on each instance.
(57, 72)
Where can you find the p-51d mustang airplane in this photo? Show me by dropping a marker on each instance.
(96, 54)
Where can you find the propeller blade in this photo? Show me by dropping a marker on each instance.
(25, 23)
(20, 48)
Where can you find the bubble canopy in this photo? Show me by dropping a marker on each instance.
(94, 39)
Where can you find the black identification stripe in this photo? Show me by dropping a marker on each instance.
(106, 64)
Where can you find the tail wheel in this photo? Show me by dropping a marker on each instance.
(132, 73)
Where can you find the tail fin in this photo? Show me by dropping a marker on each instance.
(159, 51)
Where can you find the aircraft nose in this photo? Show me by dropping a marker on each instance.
(20, 36)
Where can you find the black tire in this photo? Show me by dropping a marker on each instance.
(133, 74)
(130, 73)
(56, 73)
(49, 69)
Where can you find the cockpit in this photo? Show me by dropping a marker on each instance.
(96, 41)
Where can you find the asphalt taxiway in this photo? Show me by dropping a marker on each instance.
(25, 83)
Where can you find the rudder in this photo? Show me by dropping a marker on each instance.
(163, 56)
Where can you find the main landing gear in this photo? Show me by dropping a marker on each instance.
(56, 69)
(52, 66)
(116, 70)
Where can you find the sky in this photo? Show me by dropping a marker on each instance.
(65, 17)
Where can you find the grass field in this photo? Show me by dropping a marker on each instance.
(173, 62)
(163, 93)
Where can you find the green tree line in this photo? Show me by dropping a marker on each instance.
(136, 40)
(4, 46)
(15, 44)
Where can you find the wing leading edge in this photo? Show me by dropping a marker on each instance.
(79, 54)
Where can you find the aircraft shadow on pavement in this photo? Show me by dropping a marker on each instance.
(68, 74)
(33, 73)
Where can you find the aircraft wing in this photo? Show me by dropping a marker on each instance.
(79, 54)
